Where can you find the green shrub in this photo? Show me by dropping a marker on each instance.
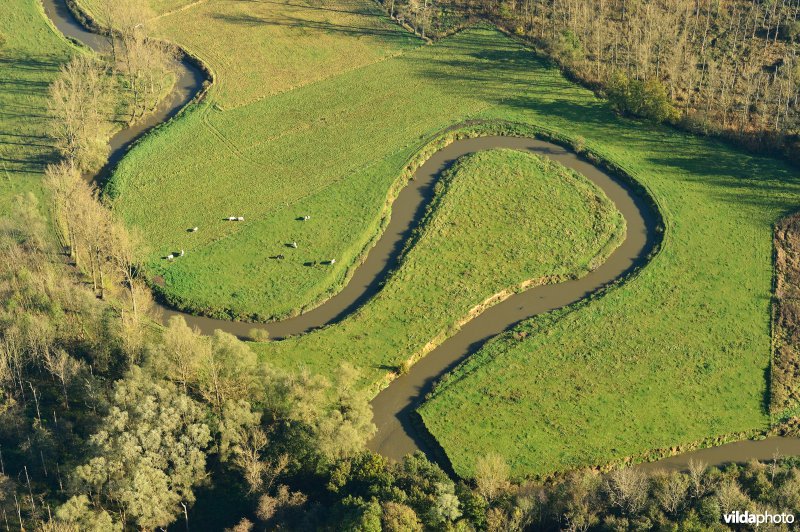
(645, 99)
(566, 48)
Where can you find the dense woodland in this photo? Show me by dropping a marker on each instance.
(109, 421)
(727, 67)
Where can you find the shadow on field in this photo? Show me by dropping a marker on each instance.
(299, 23)
(22, 85)
(23, 88)
(737, 178)
(30, 63)
(365, 13)
(509, 77)
(505, 74)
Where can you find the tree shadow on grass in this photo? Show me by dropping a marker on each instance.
(23, 117)
(365, 13)
(30, 63)
(508, 77)
(23, 143)
(22, 86)
(33, 164)
(304, 24)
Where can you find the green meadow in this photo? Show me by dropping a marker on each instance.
(454, 264)
(259, 49)
(677, 354)
(331, 149)
(31, 53)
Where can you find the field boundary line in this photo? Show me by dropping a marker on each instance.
(180, 9)
(320, 80)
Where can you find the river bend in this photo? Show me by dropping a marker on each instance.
(398, 433)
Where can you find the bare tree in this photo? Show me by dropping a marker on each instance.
(80, 101)
(697, 478)
(125, 255)
(491, 476)
(62, 181)
(64, 368)
(146, 66)
(121, 20)
(673, 488)
(627, 489)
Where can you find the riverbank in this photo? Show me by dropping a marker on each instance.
(715, 298)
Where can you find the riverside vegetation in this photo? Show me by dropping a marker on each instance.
(241, 446)
(450, 266)
(237, 423)
(714, 199)
(725, 67)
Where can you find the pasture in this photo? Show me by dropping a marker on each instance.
(259, 49)
(31, 53)
(677, 354)
(489, 229)
(306, 151)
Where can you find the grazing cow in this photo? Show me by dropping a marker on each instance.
(293, 245)
(332, 261)
(181, 255)
(193, 230)
(306, 218)
(170, 256)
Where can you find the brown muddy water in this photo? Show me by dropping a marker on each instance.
(398, 432)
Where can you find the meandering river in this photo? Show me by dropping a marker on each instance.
(398, 433)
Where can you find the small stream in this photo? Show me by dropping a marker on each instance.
(189, 83)
(394, 407)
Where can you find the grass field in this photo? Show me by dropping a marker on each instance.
(259, 49)
(31, 53)
(675, 355)
(678, 354)
(453, 265)
(306, 151)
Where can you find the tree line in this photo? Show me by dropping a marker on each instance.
(109, 426)
(727, 67)
(95, 94)
(102, 431)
